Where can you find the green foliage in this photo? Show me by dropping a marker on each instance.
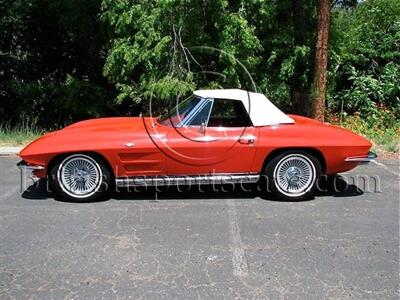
(197, 44)
(50, 65)
(62, 60)
(370, 92)
(366, 58)
(154, 49)
(381, 128)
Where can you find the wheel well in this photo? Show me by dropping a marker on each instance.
(56, 158)
(316, 153)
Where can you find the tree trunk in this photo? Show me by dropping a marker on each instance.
(318, 87)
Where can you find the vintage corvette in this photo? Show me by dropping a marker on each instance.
(214, 136)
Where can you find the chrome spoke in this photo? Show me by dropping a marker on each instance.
(294, 175)
(79, 175)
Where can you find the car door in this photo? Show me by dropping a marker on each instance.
(217, 139)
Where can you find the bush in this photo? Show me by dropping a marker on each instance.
(365, 55)
(382, 128)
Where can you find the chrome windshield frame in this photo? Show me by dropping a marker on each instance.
(196, 110)
(185, 122)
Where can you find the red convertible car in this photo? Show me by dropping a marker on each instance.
(214, 136)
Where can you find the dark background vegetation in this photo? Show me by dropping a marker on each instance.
(67, 60)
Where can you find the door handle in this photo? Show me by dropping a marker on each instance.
(246, 140)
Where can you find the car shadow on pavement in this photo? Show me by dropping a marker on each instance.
(337, 186)
(188, 193)
(334, 187)
(37, 191)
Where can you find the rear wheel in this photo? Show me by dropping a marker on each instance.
(292, 175)
(80, 178)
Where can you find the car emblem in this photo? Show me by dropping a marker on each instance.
(129, 145)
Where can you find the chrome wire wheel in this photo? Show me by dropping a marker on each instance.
(294, 175)
(79, 176)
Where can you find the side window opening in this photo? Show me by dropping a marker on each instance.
(201, 115)
(229, 113)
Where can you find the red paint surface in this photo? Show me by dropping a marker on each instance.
(164, 150)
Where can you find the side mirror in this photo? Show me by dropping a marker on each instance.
(203, 128)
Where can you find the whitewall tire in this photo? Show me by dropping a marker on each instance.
(293, 175)
(80, 178)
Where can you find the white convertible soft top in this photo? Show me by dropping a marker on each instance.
(262, 112)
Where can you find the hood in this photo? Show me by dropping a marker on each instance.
(102, 133)
(106, 124)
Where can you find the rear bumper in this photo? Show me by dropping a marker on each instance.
(23, 165)
(362, 159)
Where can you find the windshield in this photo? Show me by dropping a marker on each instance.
(179, 112)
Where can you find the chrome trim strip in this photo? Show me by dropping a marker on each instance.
(186, 180)
(23, 165)
(362, 159)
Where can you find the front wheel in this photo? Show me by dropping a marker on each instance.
(80, 178)
(292, 175)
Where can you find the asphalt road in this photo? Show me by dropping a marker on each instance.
(340, 245)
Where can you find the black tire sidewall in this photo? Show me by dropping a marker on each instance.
(271, 184)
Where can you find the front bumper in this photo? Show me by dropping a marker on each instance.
(362, 159)
(23, 165)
